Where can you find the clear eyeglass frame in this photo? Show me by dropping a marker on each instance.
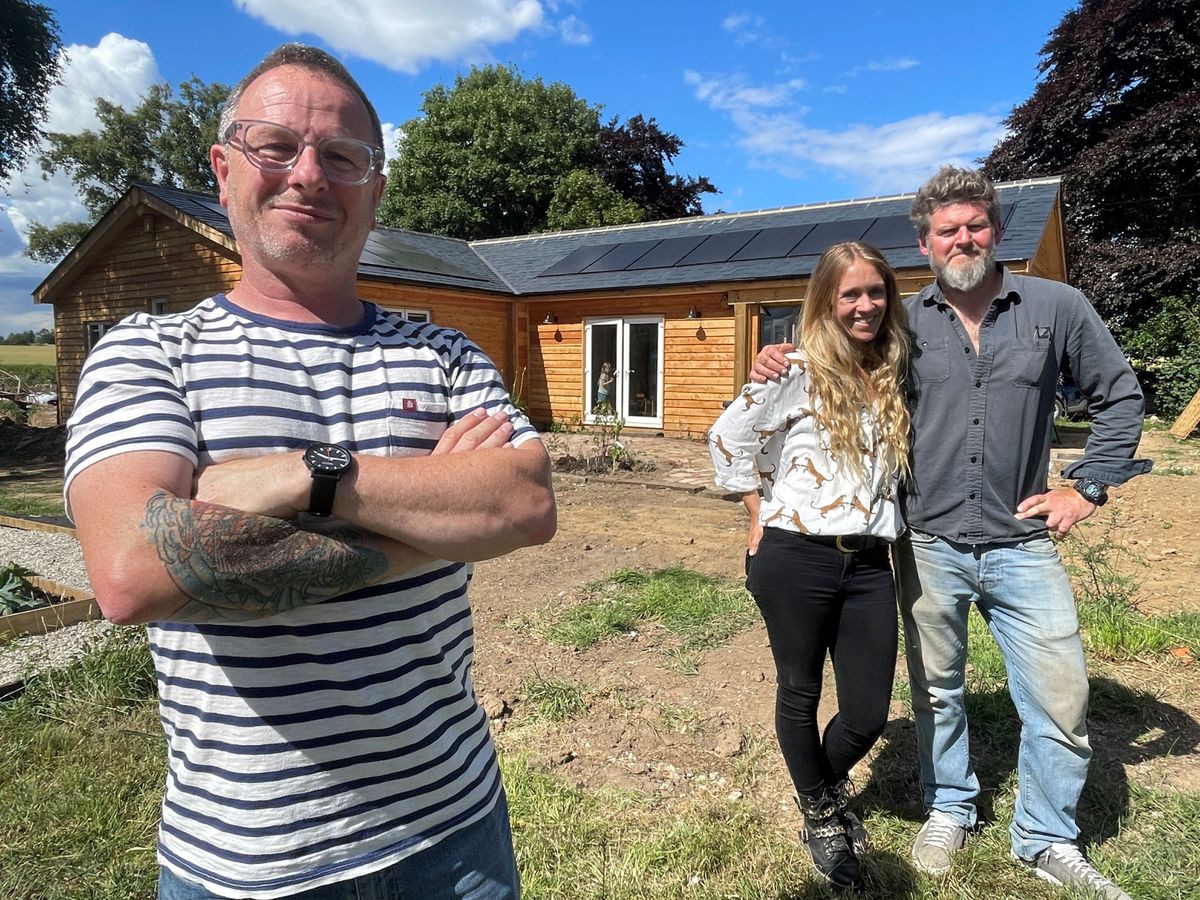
(274, 148)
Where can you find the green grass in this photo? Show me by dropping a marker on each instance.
(82, 764)
(699, 611)
(554, 699)
(31, 499)
(29, 355)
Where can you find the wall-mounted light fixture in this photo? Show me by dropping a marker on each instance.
(550, 319)
(693, 313)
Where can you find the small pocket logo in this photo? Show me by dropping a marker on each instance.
(1043, 332)
(408, 404)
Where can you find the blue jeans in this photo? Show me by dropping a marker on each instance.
(475, 863)
(1024, 596)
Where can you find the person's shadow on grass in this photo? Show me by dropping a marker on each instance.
(1126, 727)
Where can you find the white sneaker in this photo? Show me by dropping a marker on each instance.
(1065, 866)
(939, 839)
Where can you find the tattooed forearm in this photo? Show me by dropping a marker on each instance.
(237, 566)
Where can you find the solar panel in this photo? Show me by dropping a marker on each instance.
(621, 256)
(718, 248)
(667, 253)
(394, 253)
(891, 232)
(826, 234)
(578, 260)
(773, 243)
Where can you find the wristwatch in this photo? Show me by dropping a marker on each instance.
(1092, 491)
(327, 462)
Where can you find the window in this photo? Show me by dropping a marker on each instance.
(414, 315)
(158, 307)
(95, 331)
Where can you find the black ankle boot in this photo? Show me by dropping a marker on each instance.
(855, 830)
(825, 836)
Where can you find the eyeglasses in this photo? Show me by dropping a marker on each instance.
(276, 149)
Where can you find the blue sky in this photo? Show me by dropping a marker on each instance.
(778, 103)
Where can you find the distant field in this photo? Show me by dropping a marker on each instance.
(33, 355)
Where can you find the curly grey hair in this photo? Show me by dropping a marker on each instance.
(951, 184)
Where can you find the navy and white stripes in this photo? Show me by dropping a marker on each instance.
(332, 740)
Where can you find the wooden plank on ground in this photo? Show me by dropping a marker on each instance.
(32, 525)
(1188, 419)
(78, 605)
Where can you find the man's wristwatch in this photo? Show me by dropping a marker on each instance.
(327, 462)
(1092, 491)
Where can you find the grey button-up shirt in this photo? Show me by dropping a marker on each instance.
(982, 421)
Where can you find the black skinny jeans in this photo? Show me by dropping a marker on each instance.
(816, 599)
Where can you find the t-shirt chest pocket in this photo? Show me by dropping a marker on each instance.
(415, 422)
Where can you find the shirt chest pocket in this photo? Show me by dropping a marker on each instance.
(1030, 364)
(930, 362)
(415, 424)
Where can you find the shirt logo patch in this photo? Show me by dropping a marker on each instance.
(408, 404)
(1043, 332)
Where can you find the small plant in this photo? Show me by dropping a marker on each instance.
(16, 593)
(607, 448)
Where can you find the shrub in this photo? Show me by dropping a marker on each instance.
(1165, 352)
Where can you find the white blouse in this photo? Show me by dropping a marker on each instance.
(768, 433)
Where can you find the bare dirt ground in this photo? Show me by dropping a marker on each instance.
(650, 727)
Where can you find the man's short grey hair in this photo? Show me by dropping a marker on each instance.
(954, 185)
(305, 57)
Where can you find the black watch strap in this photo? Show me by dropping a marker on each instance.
(1095, 492)
(320, 498)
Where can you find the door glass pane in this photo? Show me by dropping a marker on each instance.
(642, 351)
(602, 367)
(778, 325)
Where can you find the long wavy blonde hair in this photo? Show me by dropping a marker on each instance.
(848, 375)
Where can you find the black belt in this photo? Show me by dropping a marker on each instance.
(848, 543)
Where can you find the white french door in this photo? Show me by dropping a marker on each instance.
(633, 346)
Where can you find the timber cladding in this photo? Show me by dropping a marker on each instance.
(698, 355)
(486, 319)
(143, 265)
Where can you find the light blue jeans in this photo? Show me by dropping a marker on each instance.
(1024, 596)
(475, 863)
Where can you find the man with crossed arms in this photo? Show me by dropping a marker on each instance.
(288, 485)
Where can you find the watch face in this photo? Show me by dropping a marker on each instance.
(1091, 490)
(327, 457)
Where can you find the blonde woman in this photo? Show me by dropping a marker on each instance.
(828, 442)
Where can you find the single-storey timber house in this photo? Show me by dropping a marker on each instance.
(677, 307)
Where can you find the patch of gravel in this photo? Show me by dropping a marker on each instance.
(53, 556)
(57, 557)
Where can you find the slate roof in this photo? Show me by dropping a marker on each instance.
(751, 246)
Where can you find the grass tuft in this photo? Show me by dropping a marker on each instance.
(700, 610)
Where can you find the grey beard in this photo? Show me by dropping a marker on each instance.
(968, 277)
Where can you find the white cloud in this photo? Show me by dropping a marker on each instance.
(889, 158)
(118, 69)
(732, 92)
(575, 31)
(403, 35)
(884, 65)
(746, 28)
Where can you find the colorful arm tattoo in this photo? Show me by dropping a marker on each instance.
(236, 566)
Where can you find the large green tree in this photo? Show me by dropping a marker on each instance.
(1117, 114)
(29, 67)
(499, 154)
(163, 140)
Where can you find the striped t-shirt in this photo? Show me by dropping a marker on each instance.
(330, 741)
